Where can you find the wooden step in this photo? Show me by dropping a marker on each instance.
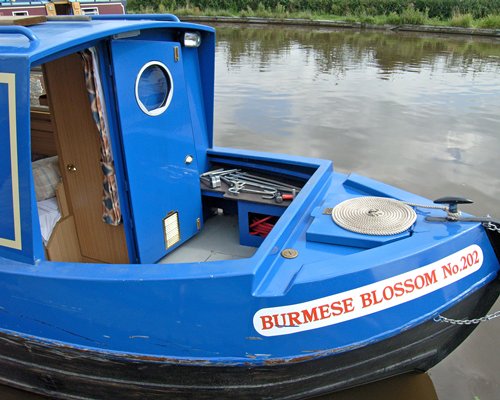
(23, 20)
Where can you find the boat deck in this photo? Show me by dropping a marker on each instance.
(218, 240)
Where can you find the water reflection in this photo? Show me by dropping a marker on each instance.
(421, 113)
(333, 52)
(417, 112)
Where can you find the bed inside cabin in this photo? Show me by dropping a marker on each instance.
(77, 221)
(67, 171)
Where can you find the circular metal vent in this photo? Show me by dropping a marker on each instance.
(374, 216)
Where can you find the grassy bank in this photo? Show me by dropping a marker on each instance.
(460, 13)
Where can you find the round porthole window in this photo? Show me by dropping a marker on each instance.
(154, 88)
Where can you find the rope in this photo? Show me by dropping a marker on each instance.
(374, 216)
(433, 207)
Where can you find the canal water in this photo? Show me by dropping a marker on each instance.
(419, 112)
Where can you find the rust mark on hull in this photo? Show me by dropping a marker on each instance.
(280, 361)
(71, 352)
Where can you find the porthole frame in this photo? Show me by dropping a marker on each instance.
(166, 103)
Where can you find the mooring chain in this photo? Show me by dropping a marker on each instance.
(473, 321)
(492, 226)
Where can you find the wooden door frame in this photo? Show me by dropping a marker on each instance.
(65, 115)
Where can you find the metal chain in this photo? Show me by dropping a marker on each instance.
(495, 228)
(492, 226)
(487, 225)
(474, 321)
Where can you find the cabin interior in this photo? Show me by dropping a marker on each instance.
(181, 218)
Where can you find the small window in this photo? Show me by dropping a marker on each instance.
(90, 11)
(153, 88)
(20, 13)
(38, 96)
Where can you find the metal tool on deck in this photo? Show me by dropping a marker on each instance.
(213, 178)
(243, 182)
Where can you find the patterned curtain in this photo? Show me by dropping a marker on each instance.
(111, 206)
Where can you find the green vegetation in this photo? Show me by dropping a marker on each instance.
(462, 20)
(461, 13)
(489, 22)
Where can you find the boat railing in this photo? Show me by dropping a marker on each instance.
(20, 30)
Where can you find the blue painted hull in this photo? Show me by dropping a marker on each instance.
(62, 371)
(209, 312)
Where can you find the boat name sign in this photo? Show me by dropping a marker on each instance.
(369, 299)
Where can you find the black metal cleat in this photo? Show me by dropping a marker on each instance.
(453, 202)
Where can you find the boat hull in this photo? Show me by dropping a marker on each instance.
(74, 373)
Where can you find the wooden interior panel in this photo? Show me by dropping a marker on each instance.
(42, 134)
(78, 145)
(62, 202)
(23, 20)
(63, 244)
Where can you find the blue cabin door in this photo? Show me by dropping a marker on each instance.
(158, 145)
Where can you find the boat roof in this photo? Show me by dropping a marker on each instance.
(41, 40)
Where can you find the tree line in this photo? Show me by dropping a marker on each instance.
(441, 9)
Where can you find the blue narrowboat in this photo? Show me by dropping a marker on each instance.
(137, 260)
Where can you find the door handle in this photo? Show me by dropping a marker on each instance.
(71, 167)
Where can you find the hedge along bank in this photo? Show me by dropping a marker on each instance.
(480, 14)
(442, 9)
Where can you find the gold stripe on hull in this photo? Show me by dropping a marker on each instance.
(10, 80)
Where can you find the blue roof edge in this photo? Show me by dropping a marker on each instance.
(45, 38)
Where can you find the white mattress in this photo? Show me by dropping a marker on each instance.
(49, 214)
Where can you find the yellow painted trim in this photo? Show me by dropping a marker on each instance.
(10, 80)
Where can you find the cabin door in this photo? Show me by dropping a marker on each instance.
(80, 155)
(158, 144)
